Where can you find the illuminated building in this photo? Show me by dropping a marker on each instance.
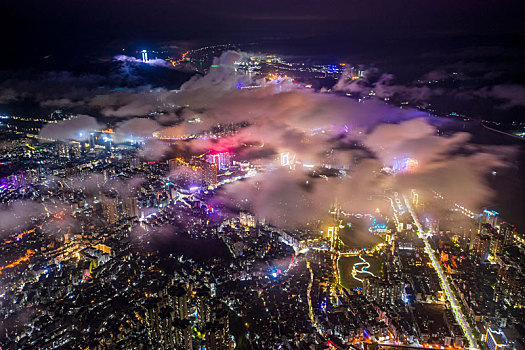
(202, 296)
(496, 340)
(405, 165)
(178, 299)
(379, 227)
(217, 337)
(383, 291)
(489, 217)
(247, 219)
(110, 208)
(511, 281)
(285, 158)
(134, 163)
(63, 150)
(415, 198)
(144, 55)
(210, 174)
(508, 231)
(221, 159)
(132, 208)
(173, 164)
(332, 235)
(91, 140)
(497, 243)
(481, 243)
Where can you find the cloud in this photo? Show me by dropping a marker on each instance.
(137, 127)
(18, 216)
(132, 103)
(511, 95)
(61, 102)
(346, 141)
(330, 130)
(222, 79)
(153, 150)
(97, 182)
(136, 61)
(8, 95)
(77, 128)
(50, 88)
(383, 86)
(435, 75)
(412, 139)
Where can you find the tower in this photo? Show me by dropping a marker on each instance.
(144, 56)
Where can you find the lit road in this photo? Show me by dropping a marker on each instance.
(394, 210)
(308, 293)
(456, 309)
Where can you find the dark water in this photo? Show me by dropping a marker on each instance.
(196, 249)
(509, 183)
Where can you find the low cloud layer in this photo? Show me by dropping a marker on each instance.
(77, 129)
(436, 83)
(350, 141)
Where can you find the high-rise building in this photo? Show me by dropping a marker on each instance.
(110, 207)
(134, 163)
(333, 235)
(178, 299)
(247, 220)
(173, 164)
(202, 302)
(183, 333)
(210, 174)
(92, 140)
(496, 340)
(497, 243)
(63, 150)
(489, 217)
(221, 159)
(482, 242)
(383, 291)
(285, 158)
(132, 207)
(217, 331)
(508, 231)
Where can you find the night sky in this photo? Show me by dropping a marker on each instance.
(78, 29)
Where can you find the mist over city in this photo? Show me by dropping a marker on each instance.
(279, 175)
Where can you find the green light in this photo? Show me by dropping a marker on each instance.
(214, 65)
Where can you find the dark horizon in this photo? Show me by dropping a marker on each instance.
(77, 30)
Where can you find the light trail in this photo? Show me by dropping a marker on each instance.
(363, 270)
(456, 309)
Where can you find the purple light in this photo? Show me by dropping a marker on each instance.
(194, 188)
